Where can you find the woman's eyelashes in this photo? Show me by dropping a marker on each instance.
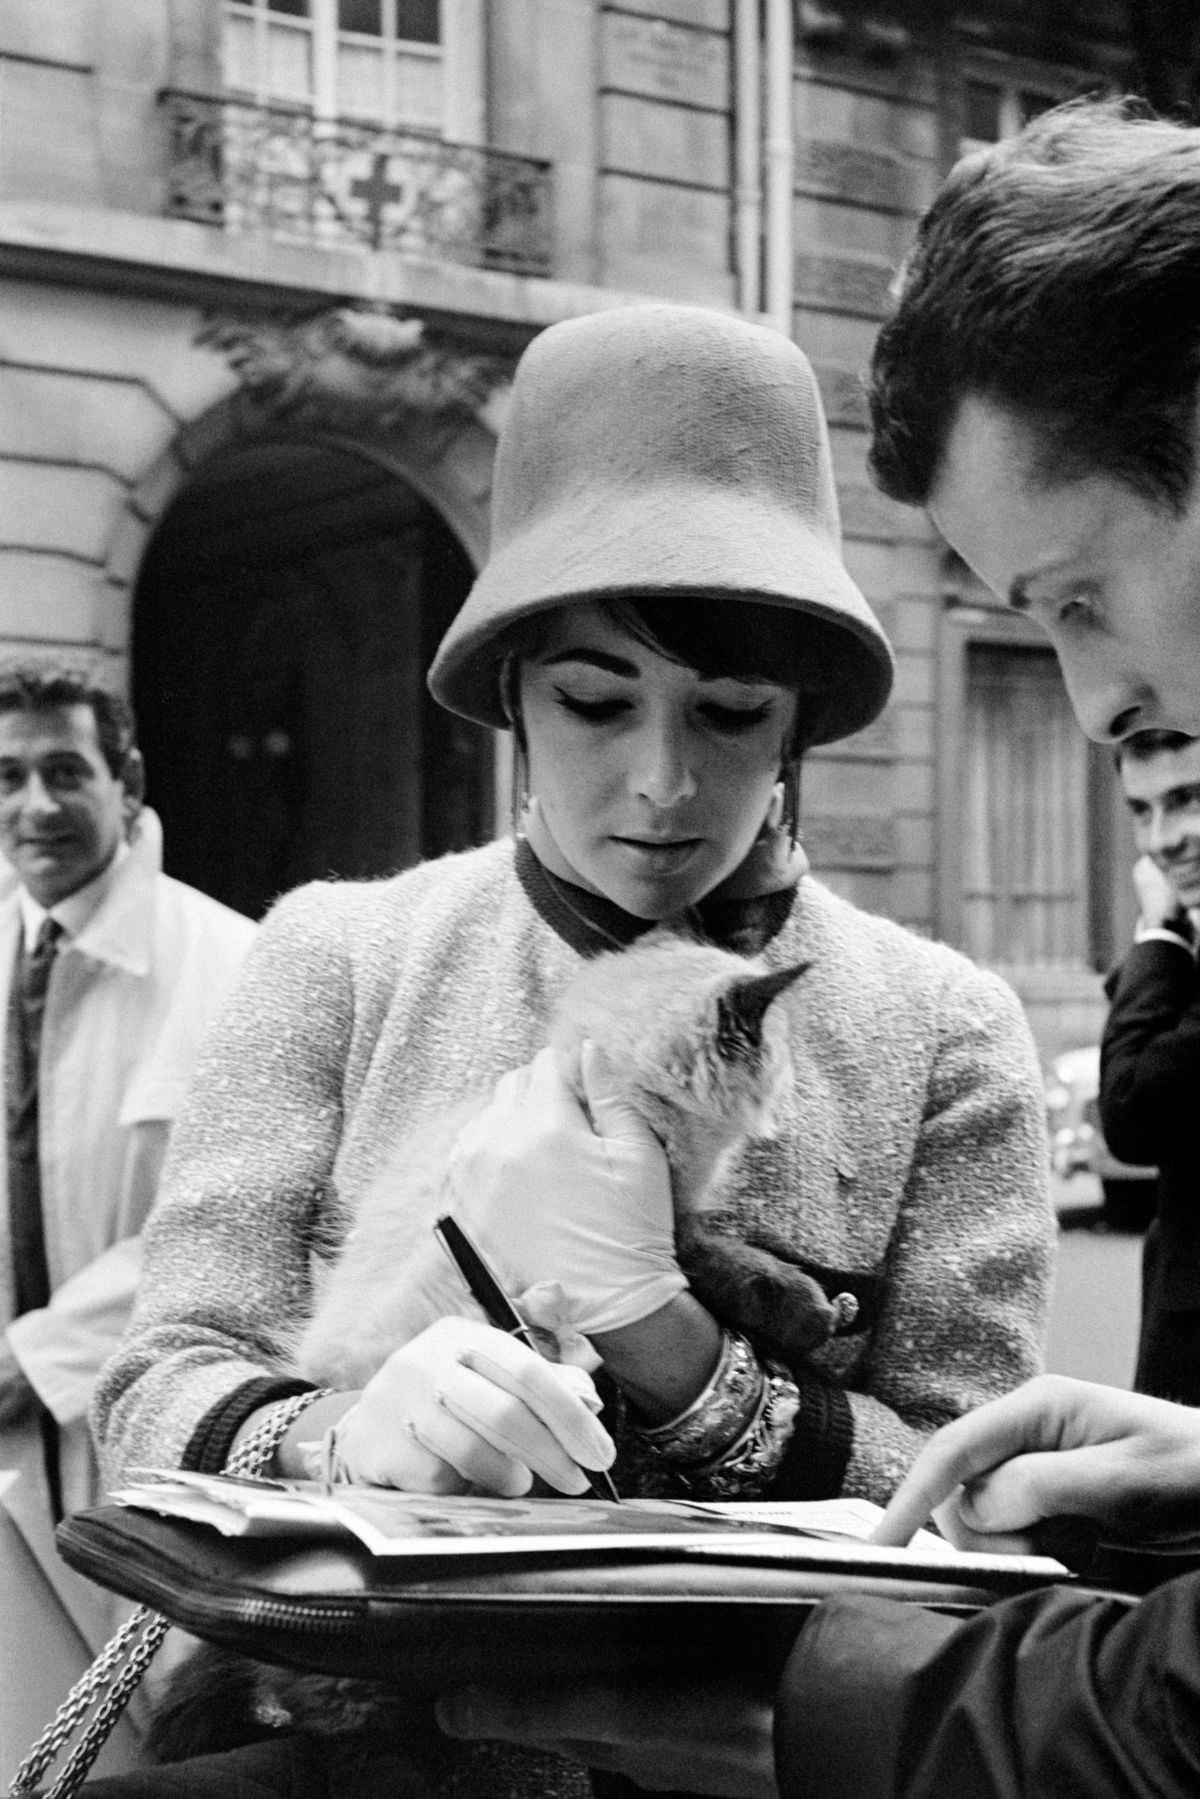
(595, 711)
(736, 718)
(729, 719)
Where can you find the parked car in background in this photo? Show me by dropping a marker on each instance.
(1077, 1143)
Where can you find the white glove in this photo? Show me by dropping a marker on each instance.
(550, 1194)
(465, 1405)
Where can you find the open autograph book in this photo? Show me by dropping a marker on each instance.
(429, 1592)
(424, 1527)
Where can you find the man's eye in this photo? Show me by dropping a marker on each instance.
(1077, 608)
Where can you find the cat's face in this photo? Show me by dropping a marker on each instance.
(652, 781)
(691, 1032)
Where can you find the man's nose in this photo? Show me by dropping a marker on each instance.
(1109, 699)
(663, 773)
(1161, 833)
(36, 796)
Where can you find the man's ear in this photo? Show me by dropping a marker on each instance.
(133, 780)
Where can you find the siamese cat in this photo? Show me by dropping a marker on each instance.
(699, 1048)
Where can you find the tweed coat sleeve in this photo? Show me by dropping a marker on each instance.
(248, 1177)
(967, 1273)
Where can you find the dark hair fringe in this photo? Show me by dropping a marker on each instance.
(751, 640)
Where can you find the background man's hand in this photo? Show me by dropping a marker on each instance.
(1055, 1448)
(1157, 900)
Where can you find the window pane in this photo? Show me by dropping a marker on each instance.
(418, 89)
(289, 63)
(294, 9)
(240, 68)
(1032, 103)
(360, 81)
(363, 16)
(1025, 824)
(418, 21)
(982, 111)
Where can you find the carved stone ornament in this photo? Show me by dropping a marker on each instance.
(351, 368)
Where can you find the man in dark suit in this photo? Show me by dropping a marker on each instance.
(1150, 1054)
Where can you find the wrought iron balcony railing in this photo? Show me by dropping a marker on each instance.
(281, 170)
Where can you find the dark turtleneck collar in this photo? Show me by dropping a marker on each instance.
(590, 923)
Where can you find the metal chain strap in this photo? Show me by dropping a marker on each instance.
(123, 1661)
(62, 1726)
(71, 1775)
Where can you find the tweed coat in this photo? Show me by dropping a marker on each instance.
(912, 1147)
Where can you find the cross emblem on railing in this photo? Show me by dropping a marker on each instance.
(245, 167)
(378, 192)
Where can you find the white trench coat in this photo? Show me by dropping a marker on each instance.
(129, 1002)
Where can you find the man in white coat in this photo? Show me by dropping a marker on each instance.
(140, 965)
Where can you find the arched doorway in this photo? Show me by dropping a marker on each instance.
(285, 615)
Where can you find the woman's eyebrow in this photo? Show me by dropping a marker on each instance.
(613, 665)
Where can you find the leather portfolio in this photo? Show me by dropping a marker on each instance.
(430, 1621)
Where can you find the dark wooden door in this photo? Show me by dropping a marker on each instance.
(279, 682)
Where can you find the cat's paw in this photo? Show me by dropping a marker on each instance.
(783, 1310)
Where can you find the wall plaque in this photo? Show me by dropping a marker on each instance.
(666, 62)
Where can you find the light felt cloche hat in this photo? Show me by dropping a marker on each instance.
(661, 450)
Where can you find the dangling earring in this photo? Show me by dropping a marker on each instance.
(518, 789)
(518, 796)
(790, 817)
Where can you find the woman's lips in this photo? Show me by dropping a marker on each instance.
(658, 855)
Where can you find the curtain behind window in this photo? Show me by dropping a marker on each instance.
(1025, 817)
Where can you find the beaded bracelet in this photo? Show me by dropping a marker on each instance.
(719, 1414)
(750, 1461)
(253, 1454)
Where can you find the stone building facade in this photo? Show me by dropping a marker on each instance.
(264, 269)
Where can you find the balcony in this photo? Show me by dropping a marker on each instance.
(335, 182)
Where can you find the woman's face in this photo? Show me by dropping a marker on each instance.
(652, 782)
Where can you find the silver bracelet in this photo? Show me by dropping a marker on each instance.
(325, 1458)
(720, 1412)
(754, 1458)
(253, 1454)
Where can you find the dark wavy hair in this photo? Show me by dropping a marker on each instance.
(33, 685)
(1056, 274)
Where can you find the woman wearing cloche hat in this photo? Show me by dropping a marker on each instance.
(665, 624)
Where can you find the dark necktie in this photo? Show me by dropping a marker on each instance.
(31, 1275)
(30, 982)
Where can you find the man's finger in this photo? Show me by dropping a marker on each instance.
(972, 1445)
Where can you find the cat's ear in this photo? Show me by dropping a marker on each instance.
(741, 1010)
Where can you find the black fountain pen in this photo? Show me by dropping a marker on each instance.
(499, 1310)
